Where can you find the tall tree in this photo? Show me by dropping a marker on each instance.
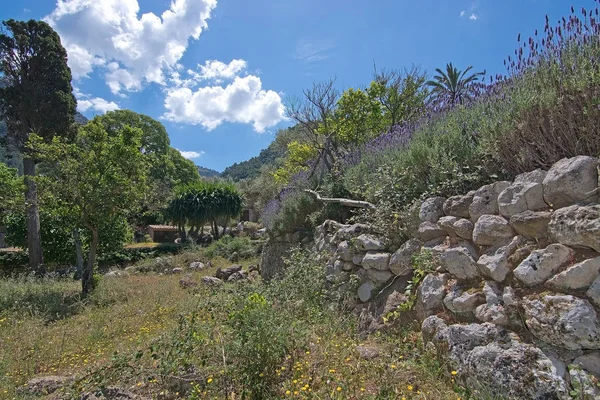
(36, 98)
(453, 86)
(101, 176)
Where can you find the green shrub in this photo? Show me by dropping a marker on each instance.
(227, 246)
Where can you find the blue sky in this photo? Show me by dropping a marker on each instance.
(217, 73)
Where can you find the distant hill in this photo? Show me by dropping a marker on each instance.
(207, 172)
(80, 119)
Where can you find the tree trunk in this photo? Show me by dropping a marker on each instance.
(87, 280)
(79, 253)
(216, 229)
(34, 238)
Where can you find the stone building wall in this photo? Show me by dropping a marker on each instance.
(514, 304)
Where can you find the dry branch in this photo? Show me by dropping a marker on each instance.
(344, 202)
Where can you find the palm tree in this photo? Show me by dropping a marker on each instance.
(452, 86)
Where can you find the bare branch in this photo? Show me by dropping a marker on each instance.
(342, 201)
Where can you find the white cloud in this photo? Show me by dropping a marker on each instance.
(462, 13)
(86, 102)
(213, 69)
(241, 101)
(99, 33)
(312, 51)
(190, 154)
(473, 17)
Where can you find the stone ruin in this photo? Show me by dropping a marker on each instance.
(514, 304)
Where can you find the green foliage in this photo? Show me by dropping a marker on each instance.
(208, 172)
(57, 227)
(453, 86)
(227, 246)
(11, 190)
(298, 155)
(423, 264)
(358, 117)
(202, 202)
(38, 94)
(293, 215)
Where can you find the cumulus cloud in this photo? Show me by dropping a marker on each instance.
(218, 70)
(462, 13)
(133, 49)
(473, 17)
(86, 102)
(241, 101)
(190, 154)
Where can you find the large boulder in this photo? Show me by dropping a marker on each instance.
(488, 357)
(563, 321)
(571, 180)
(525, 193)
(462, 302)
(366, 242)
(458, 206)
(593, 292)
(577, 226)
(378, 276)
(430, 294)
(492, 229)
(376, 260)
(447, 224)
(464, 228)
(365, 291)
(542, 264)
(45, 385)
(430, 231)
(460, 261)
(432, 209)
(485, 200)
(212, 281)
(401, 260)
(344, 251)
(225, 273)
(497, 265)
(531, 224)
(578, 276)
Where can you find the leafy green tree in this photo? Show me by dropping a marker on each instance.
(36, 98)
(100, 175)
(196, 204)
(453, 86)
(358, 117)
(11, 190)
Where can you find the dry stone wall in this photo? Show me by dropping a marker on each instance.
(514, 304)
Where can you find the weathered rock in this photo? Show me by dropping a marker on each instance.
(525, 193)
(509, 297)
(461, 302)
(563, 321)
(430, 294)
(45, 385)
(366, 242)
(487, 356)
(493, 310)
(497, 265)
(187, 282)
(492, 229)
(236, 277)
(578, 276)
(590, 362)
(577, 226)
(177, 270)
(365, 291)
(378, 276)
(225, 273)
(485, 200)
(430, 231)
(344, 251)
(376, 260)
(584, 383)
(368, 352)
(401, 260)
(432, 209)
(594, 292)
(571, 180)
(349, 266)
(446, 223)
(460, 262)
(347, 232)
(197, 265)
(458, 206)
(464, 228)
(542, 264)
(531, 224)
(357, 259)
(211, 281)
